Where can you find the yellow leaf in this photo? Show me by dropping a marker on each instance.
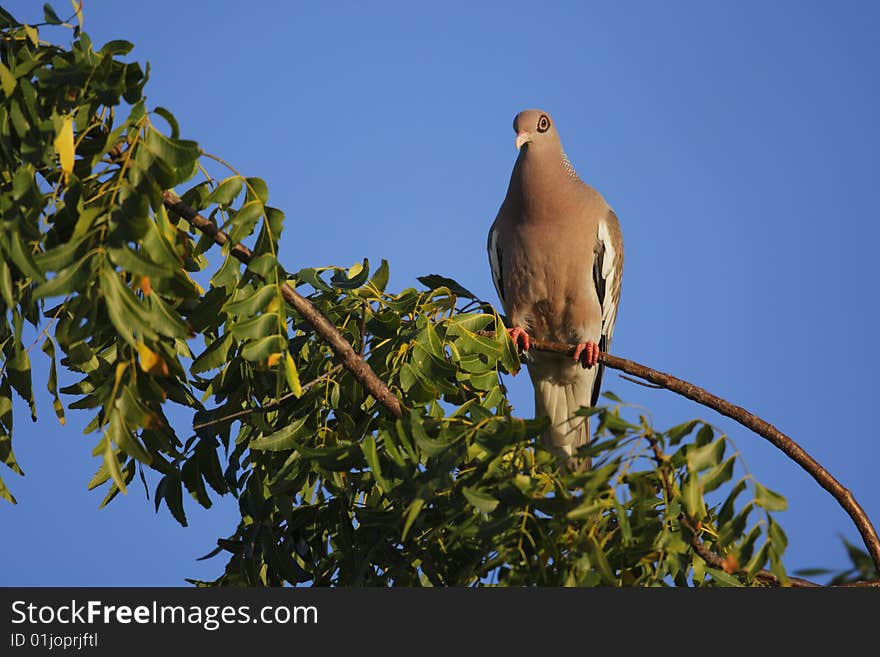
(78, 8)
(273, 359)
(7, 79)
(120, 370)
(64, 144)
(273, 305)
(198, 287)
(150, 361)
(32, 34)
(292, 375)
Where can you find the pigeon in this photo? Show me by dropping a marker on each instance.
(556, 254)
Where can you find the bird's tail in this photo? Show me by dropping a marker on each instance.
(567, 432)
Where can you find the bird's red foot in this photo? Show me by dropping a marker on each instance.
(519, 335)
(587, 353)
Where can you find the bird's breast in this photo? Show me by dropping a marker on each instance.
(549, 287)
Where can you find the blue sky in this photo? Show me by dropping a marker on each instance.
(737, 142)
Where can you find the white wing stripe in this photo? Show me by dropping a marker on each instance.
(609, 262)
(494, 264)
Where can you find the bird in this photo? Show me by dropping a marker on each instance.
(556, 256)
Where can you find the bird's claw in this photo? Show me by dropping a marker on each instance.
(518, 335)
(587, 353)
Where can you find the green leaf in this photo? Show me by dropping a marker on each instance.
(216, 355)
(258, 190)
(263, 265)
(68, 280)
(259, 350)
(435, 281)
(704, 435)
(623, 521)
(380, 277)
(59, 257)
(116, 47)
(247, 302)
(177, 153)
(275, 220)
(707, 456)
(227, 275)
(757, 562)
(692, 498)
(768, 499)
(480, 500)
(124, 309)
(256, 327)
(371, 454)
(675, 434)
(138, 263)
(113, 465)
(6, 285)
(412, 512)
(728, 508)
(23, 257)
(121, 435)
(587, 509)
(244, 221)
(170, 489)
(226, 192)
(52, 382)
(192, 480)
(468, 342)
(313, 278)
(161, 111)
(430, 446)
(723, 578)
(50, 16)
(166, 321)
(600, 561)
(776, 536)
(283, 439)
(354, 278)
(718, 475)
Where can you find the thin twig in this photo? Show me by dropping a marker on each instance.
(639, 383)
(363, 329)
(278, 403)
(354, 363)
(749, 420)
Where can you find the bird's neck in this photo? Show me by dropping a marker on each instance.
(536, 171)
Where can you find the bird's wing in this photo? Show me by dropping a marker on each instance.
(493, 245)
(607, 274)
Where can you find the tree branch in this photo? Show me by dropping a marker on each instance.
(323, 327)
(749, 420)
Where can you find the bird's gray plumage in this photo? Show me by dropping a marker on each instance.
(556, 254)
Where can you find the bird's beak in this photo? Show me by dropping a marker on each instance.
(522, 138)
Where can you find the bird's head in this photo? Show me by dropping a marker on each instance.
(535, 129)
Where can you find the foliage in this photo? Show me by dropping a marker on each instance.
(331, 488)
(861, 568)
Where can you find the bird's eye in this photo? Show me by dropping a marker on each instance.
(543, 123)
